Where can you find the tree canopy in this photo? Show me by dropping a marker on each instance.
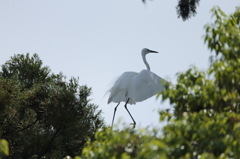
(42, 114)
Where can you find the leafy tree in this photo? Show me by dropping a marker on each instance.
(124, 144)
(205, 123)
(218, 88)
(43, 115)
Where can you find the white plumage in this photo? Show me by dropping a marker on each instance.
(136, 86)
(132, 87)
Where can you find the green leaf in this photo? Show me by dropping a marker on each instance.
(4, 150)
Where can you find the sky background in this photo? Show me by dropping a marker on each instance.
(99, 40)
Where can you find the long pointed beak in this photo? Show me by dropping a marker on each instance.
(153, 51)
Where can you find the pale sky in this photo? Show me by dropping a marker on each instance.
(99, 40)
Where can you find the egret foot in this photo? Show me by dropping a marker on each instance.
(134, 124)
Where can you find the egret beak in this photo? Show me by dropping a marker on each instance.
(153, 51)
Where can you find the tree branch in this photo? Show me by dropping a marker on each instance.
(28, 126)
(48, 145)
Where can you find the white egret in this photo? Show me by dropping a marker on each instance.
(132, 87)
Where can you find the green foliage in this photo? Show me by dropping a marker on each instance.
(124, 144)
(218, 88)
(4, 150)
(194, 136)
(44, 116)
(27, 70)
(197, 133)
(206, 119)
(207, 102)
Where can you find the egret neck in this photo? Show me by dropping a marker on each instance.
(145, 61)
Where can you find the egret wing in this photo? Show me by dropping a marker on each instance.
(119, 92)
(145, 85)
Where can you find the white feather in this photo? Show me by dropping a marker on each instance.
(136, 86)
(132, 87)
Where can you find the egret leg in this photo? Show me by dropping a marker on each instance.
(134, 123)
(115, 109)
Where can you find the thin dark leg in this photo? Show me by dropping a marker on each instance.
(115, 109)
(134, 123)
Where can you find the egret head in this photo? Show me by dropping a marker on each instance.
(146, 51)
